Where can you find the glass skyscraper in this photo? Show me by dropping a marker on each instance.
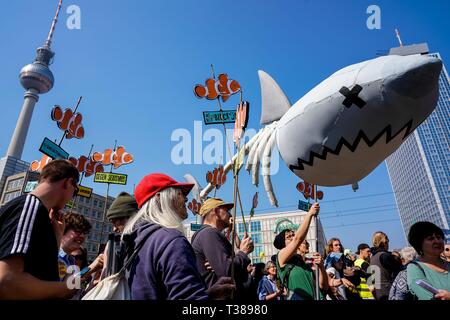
(420, 169)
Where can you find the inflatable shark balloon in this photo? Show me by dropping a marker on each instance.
(348, 124)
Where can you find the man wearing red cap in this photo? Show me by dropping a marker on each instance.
(165, 266)
(211, 246)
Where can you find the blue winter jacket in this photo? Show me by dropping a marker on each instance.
(165, 267)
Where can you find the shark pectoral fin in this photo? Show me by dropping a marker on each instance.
(274, 101)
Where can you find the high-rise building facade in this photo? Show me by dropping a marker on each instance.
(420, 169)
(264, 227)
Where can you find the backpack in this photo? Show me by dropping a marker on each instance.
(115, 286)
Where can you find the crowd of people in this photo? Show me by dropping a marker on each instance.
(40, 247)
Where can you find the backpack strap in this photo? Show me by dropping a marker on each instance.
(285, 280)
(138, 247)
(419, 266)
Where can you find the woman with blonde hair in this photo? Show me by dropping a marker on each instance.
(385, 263)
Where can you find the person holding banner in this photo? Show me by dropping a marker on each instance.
(295, 274)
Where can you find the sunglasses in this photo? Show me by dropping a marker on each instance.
(75, 187)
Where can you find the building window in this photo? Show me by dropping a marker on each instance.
(14, 184)
(256, 237)
(12, 195)
(95, 202)
(241, 228)
(255, 226)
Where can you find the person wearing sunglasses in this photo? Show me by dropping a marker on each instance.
(31, 228)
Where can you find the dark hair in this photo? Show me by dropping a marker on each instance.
(279, 241)
(59, 169)
(76, 222)
(421, 230)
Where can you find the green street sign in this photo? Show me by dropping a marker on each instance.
(195, 226)
(52, 150)
(215, 117)
(302, 205)
(114, 178)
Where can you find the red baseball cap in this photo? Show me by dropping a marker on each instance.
(153, 183)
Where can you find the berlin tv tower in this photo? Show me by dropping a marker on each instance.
(36, 78)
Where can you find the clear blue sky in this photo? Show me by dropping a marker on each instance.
(135, 63)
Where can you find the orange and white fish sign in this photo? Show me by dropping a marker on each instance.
(69, 122)
(217, 177)
(308, 191)
(223, 87)
(194, 206)
(86, 165)
(37, 165)
(241, 121)
(111, 157)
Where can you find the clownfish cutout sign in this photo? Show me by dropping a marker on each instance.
(308, 191)
(86, 165)
(37, 165)
(217, 177)
(69, 122)
(223, 87)
(194, 206)
(116, 158)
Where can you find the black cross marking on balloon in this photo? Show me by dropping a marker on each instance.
(351, 96)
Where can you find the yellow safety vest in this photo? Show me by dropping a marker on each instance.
(363, 288)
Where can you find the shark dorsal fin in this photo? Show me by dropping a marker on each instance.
(274, 101)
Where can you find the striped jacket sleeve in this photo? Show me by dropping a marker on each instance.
(16, 226)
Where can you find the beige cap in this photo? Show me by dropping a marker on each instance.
(213, 203)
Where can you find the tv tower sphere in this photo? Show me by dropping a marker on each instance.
(37, 75)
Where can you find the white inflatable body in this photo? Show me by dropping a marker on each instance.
(328, 143)
(348, 124)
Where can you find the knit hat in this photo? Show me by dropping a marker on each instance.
(213, 203)
(124, 206)
(153, 183)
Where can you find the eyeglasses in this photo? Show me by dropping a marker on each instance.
(80, 233)
(78, 257)
(75, 187)
(336, 245)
